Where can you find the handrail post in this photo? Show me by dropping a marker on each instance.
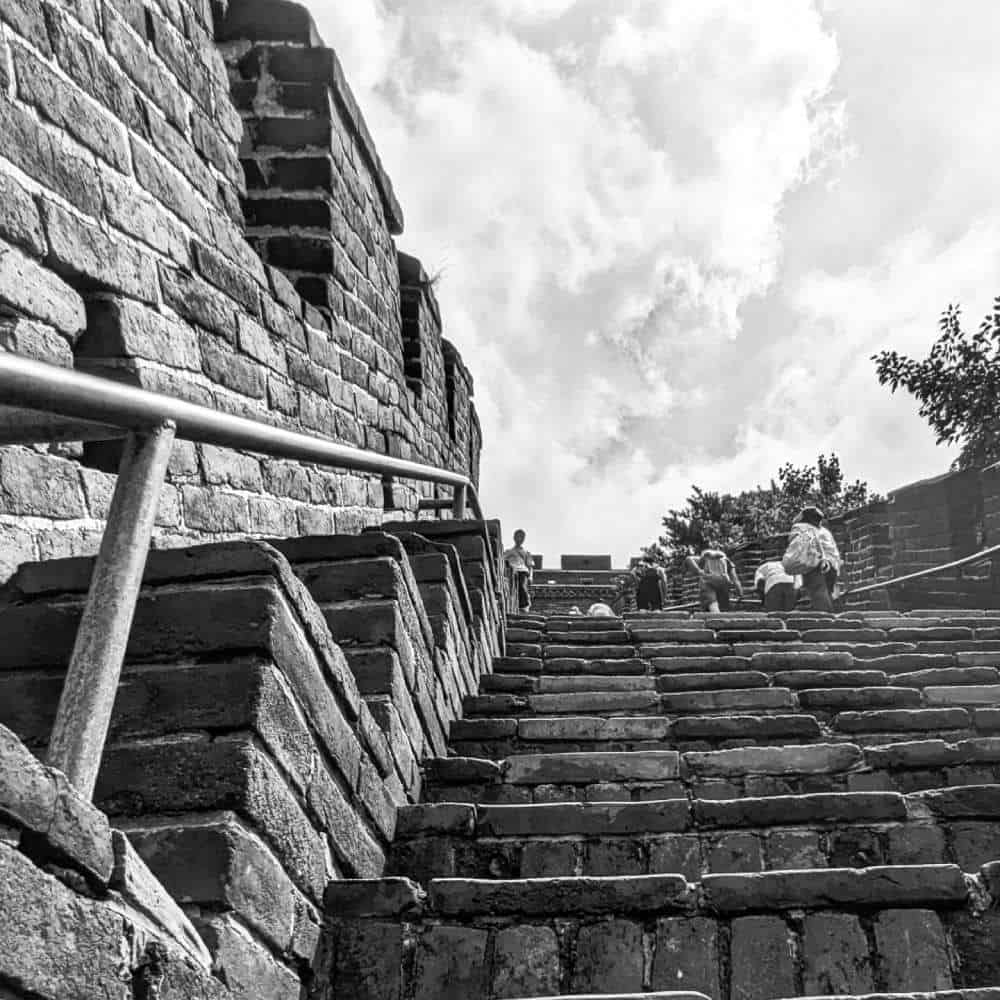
(459, 499)
(88, 695)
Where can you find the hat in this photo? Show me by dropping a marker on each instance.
(811, 515)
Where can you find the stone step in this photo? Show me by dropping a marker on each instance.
(580, 665)
(698, 837)
(583, 637)
(571, 683)
(770, 934)
(581, 774)
(672, 634)
(597, 651)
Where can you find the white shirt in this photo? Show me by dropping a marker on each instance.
(519, 560)
(772, 573)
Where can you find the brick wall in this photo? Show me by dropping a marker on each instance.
(273, 713)
(125, 173)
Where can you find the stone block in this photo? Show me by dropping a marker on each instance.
(66, 107)
(181, 774)
(912, 951)
(584, 768)
(548, 858)
(679, 855)
(81, 251)
(20, 223)
(903, 885)
(49, 157)
(686, 955)
(752, 728)
(903, 720)
(28, 287)
(816, 759)
(762, 959)
(450, 963)
(369, 960)
(794, 849)
(814, 808)
(244, 964)
(609, 958)
(525, 962)
(47, 928)
(835, 955)
(217, 863)
(38, 485)
(616, 856)
(734, 852)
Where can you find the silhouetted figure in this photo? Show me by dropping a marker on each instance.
(650, 586)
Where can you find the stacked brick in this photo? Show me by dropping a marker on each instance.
(123, 252)
(252, 758)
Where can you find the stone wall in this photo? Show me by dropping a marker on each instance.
(273, 714)
(125, 173)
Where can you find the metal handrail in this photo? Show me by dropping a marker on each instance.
(933, 571)
(102, 404)
(40, 402)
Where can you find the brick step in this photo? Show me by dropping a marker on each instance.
(623, 700)
(533, 684)
(586, 637)
(698, 837)
(579, 623)
(593, 773)
(763, 935)
(632, 728)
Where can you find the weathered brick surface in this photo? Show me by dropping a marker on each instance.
(121, 118)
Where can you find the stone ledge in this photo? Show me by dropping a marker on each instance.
(572, 896)
(57, 823)
(884, 887)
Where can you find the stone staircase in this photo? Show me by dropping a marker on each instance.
(743, 806)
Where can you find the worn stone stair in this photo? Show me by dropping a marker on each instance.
(746, 806)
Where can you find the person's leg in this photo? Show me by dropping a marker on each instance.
(789, 595)
(707, 596)
(722, 596)
(815, 585)
(523, 594)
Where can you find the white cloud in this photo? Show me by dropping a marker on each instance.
(645, 214)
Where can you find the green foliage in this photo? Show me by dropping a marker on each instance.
(726, 520)
(957, 384)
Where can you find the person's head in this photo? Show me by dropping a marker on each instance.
(812, 515)
(519, 537)
(600, 610)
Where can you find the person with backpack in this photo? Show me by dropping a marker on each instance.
(812, 554)
(716, 577)
(650, 581)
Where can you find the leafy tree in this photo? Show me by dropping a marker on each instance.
(957, 384)
(726, 520)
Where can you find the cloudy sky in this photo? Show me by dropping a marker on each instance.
(671, 233)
